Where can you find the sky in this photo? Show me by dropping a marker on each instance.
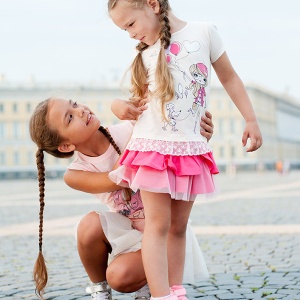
(74, 41)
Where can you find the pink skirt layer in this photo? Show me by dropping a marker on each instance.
(183, 177)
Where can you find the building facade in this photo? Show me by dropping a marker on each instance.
(278, 117)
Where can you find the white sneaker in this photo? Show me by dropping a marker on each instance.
(99, 291)
(143, 293)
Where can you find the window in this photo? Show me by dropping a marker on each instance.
(232, 125)
(17, 130)
(28, 107)
(2, 131)
(221, 152)
(15, 107)
(16, 158)
(30, 158)
(220, 127)
(2, 158)
(232, 151)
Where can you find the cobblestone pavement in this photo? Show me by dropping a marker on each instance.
(249, 234)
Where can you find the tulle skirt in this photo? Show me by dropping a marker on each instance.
(183, 177)
(123, 238)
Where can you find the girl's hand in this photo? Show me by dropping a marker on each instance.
(253, 133)
(128, 109)
(207, 126)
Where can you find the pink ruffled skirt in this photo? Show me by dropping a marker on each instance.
(183, 177)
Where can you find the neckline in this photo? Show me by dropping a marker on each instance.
(180, 30)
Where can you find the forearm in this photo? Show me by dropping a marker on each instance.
(237, 92)
(90, 182)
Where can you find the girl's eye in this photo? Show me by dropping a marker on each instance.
(70, 118)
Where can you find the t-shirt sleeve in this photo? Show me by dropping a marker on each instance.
(79, 165)
(216, 44)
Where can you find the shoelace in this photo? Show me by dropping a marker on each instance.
(142, 294)
(105, 295)
(142, 297)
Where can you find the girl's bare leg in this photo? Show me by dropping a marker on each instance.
(126, 273)
(180, 211)
(93, 247)
(154, 247)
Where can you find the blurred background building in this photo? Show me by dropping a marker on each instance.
(278, 116)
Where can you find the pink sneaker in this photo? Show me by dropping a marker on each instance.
(179, 291)
(171, 297)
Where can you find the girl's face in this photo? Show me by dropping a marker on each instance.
(74, 122)
(141, 23)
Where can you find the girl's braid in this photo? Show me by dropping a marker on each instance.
(163, 77)
(127, 191)
(40, 270)
(141, 47)
(111, 140)
(165, 34)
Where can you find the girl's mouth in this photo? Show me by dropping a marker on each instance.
(88, 119)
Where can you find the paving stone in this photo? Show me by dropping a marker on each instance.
(241, 266)
(230, 296)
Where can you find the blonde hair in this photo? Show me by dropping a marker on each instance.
(48, 139)
(164, 80)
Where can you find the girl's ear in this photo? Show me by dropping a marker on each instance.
(66, 147)
(154, 5)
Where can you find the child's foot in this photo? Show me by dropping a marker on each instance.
(143, 293)
(99, 291)
(179, 291)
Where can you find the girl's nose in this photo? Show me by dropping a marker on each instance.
(132, 35)
(80, 111)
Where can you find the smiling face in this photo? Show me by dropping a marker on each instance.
(142, 23)
(74, 122)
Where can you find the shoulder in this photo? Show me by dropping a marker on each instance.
(203, 27)
(121, 128)
(121, 133)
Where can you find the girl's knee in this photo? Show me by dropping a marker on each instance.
(126, 273)
(89, 228)
(120, 279)
(178, 230)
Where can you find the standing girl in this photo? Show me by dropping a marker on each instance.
(60, 127)
(167, 158)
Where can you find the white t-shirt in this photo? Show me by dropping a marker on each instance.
(191, 52)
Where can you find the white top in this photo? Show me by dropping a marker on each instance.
(192, 51)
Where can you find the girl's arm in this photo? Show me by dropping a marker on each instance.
(90, 182)
(237, 92)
